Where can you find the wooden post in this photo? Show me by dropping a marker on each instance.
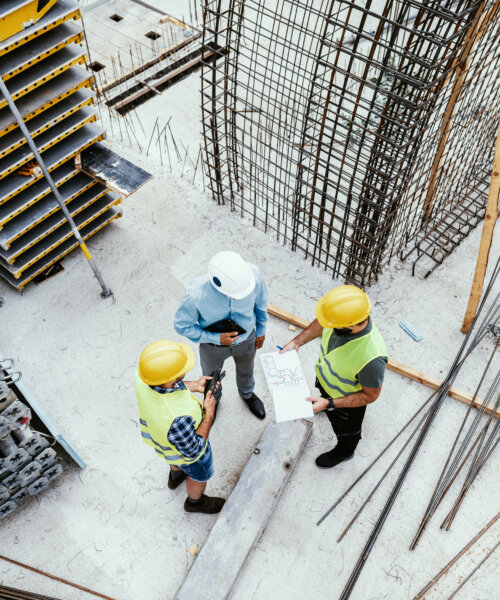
(490, 219)
(461, 67)
(393, 365)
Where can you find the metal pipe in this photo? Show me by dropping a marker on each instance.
(105, 291)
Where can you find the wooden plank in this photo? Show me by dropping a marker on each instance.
(490, 218)
(394, 365)
(460, 73)
(246, 512)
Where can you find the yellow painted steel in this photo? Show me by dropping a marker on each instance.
(35, 199)
(88, 83)
(77, 38)
(25, 14)
(32, 180)
(54, 210)
(15, 145)
(30, 35)
(17, 274)
(13, 257)
(86, 251)
(25, 159)
(77, 60)
(68, 250)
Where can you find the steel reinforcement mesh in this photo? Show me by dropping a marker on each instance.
(353, 130)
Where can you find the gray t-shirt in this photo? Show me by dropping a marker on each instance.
(372, 374)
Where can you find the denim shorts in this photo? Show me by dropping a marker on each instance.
(202, 469)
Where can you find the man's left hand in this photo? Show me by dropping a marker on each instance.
(259, 342)
(318, 403)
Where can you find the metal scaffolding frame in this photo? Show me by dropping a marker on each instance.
(353, 133)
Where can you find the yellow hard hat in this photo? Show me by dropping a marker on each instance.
(165, 361)
(344, 306)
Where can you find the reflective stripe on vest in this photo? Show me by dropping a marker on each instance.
(157, 413)
(337, 370)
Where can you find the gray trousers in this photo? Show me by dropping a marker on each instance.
(212, 357)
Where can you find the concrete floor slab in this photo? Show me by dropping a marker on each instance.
(116, 527)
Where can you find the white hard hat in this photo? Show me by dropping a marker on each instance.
(230, 274)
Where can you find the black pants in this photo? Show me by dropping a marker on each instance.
(346, 424)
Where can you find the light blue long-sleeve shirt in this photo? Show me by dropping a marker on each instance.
(203, 305)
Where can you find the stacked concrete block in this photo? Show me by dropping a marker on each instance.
(44, 68)
(27, 462)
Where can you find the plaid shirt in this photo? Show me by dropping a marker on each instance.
(182, 433)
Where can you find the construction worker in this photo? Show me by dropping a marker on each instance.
(350, 368)
(174, 422)
(232, 294)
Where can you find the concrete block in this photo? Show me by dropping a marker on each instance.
(246, 512)
(47, 458)
(7, 508)
(17, 460)
(20, 495)
(53, 472)
(30, 472)
(38, 486)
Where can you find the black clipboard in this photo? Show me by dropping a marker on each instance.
(225, 326)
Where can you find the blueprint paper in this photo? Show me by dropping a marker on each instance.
(287, 385)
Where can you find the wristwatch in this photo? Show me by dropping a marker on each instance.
(331, 405)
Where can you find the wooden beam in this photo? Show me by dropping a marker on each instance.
(490, 219)
(393, 365)
(246, 512)
(459, 71)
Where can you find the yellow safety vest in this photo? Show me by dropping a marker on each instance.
(337, 370)
(157, 413)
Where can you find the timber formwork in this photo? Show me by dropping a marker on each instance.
(355, 131)
(44, 69)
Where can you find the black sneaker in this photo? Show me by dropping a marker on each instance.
(209, 505)
(173, 484)
(332, 458)
(256, 406)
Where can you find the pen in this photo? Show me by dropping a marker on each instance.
(279, 347)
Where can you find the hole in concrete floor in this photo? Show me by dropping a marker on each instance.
(49, 272)
(152, 35)
(116, 18)
(96, 66)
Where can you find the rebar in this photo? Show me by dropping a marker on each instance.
(353, 134)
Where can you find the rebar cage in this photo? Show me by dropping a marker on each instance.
(353, 130)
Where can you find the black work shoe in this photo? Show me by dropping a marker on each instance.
(209, 505)
(178, 480)
(256, 406)
(332, 458)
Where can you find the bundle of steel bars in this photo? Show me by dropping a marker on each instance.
(353, 131)
(478, 451)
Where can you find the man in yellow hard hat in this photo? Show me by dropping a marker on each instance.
(174, 422)
(350, 368)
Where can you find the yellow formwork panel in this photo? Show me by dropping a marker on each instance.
(17, 164)
(17, 273)
(63, 221)
(64, 10)
(29, 113)
(16, 15)
(59, 255)
(22, 206)
(18, 60)
(23, 84)
(56, 208)
(17, 139)
(31, 180)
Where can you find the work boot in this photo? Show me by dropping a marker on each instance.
(175, 481)
(256, 406)
(207, 504)
(333, 458)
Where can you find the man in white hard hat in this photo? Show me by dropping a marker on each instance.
(225, 312)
